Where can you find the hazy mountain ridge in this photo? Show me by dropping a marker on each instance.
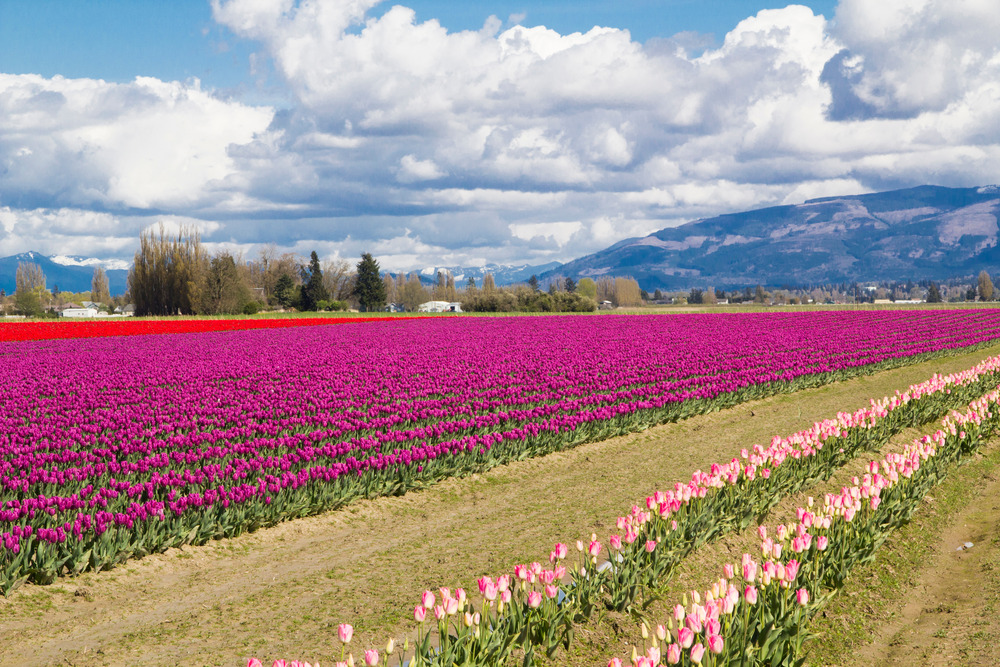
(927, 232)
(503, 274)
(68, 277)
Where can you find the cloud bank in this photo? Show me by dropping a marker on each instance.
(432, 147)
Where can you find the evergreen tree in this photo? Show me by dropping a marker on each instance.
(369, 289)
(570, 285)
(313, 291)
(933, 294)
(657, 295)
(284, 290)
(533, 283)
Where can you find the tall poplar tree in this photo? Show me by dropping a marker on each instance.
(99, 292)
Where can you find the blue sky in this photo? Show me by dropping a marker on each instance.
(438, 133)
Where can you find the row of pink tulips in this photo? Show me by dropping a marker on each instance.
(535, 608)
(761, 617)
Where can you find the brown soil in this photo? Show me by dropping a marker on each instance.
(281, 592)
(950, 614)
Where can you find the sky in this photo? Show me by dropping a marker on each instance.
(441, 133)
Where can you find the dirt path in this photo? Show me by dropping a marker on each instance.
(281, 592)
(950, 616)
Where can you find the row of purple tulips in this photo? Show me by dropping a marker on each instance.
(115, 448)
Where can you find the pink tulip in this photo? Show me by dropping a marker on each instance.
(697, 651)
(802, 596)
(653, 653)
(673, 654)
(346, 631)
(534, 599)
(715, 644)
(427, 599)
(821, 542)
(254, 662)
(650, 546)
(685, 637)
(439, 612)
(490, 592)
(419, 613)
(679, 613)
(727, 571)
(451, 606)
(551, 591)
(561, 551)
(594, 549)
(616, 542)
(694, 622)
(615, 662)
(371, 657)
(279, 663)
(750, 594)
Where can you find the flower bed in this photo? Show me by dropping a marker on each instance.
(118, 446)
(19, 331)
(534, 608)
(758, 613)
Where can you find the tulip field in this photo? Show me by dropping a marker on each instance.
(757, 613)
(119, 446)
(116, 445)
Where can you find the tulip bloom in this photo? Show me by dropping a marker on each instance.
(419, 613)
(534, 599)
(802, 596)
(715, 644)
(673, 654)
(346, 631)
(427, 599)
(697, 651)
(371, 657)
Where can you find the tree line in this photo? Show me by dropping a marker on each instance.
(173, 274)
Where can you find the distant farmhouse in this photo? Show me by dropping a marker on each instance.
(440, 307)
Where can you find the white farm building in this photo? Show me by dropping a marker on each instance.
(440, 307)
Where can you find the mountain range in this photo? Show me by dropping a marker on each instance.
(69, 274)
(922, 233)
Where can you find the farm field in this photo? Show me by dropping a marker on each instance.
(358, 555)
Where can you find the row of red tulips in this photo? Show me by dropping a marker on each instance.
(20, 331)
